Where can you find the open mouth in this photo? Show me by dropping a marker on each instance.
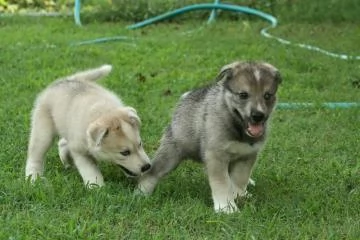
(255, 129)
(128, 172)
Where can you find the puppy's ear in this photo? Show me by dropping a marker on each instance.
(274, 71)
(278, 77)
(133, 116)
(226, 72)
(96, 133)
(224, 75)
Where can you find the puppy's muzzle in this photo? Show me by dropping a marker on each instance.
(145, 168)
(256, 124)
(129, 173)
(257, 116)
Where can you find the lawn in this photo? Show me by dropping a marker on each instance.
(308, 175)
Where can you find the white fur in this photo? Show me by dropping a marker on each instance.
(257, 75)
(93, 124)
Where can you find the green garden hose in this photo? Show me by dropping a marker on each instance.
(217, 5)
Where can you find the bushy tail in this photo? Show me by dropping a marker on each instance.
(92, 74)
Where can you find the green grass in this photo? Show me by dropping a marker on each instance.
(308, 175)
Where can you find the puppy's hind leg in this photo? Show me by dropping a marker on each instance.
(41, 137)
(167, 158)
(64, 153)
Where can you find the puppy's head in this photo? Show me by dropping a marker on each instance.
(116, 138)
(250, 93)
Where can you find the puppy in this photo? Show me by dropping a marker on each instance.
(93, 124)
(224, 126)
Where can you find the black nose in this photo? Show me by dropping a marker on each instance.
(257, 116)
(145, 167)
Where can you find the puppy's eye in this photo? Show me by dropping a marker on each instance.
(125, 153)
(140, 144)
(267, 96)
(243, 95)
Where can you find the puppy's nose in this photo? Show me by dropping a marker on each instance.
(257, 116)
(145, 167)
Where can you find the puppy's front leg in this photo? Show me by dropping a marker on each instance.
(64, 152)
(240, 172)
(88, 170)
(220, 183)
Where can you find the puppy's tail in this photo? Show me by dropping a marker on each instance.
(92, 74)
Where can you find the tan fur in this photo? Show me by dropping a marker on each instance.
(93, 124)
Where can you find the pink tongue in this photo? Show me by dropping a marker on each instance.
(255, 130)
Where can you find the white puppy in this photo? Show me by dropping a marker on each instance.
(92, 123)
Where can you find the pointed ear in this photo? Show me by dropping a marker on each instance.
(274, 71)
(96, 133)
(278, 77)
(227, 72)
(133, 116)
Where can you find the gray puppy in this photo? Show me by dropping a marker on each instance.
(222, 125)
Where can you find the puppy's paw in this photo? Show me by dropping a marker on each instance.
(93, 182)
(94, 185)
(143, 190)
(146, 185)
(251, 182)
(227, 208)
(139, 193)
(240, 194)
(33, 178)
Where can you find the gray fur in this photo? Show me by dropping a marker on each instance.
(212, 125)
